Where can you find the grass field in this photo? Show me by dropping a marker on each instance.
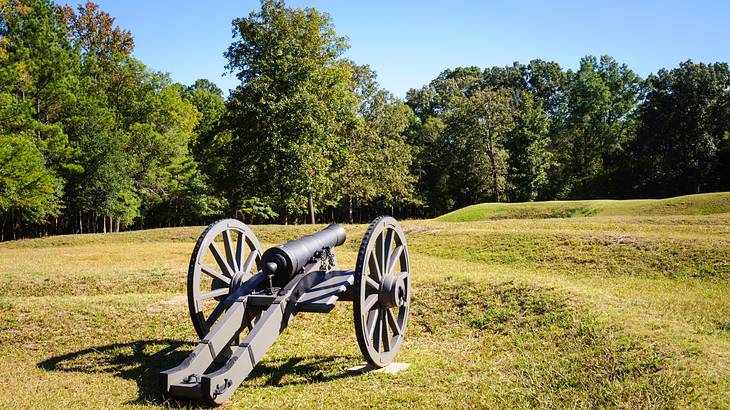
(629, 308)
(701, 204)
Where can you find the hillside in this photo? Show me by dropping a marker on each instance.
(699, 204)
(608, 311)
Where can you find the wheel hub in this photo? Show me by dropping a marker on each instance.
(393, 291)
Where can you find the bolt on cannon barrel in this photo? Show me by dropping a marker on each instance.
(285, 261)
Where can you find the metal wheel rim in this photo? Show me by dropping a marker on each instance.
(380, 330)
(240, 254)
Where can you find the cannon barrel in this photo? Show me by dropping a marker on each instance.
(284, 261)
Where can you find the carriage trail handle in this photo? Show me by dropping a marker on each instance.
(285, 261)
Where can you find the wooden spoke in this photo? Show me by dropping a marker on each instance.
(215, 274)
(377, 330)
(249, 262)
(372, 317)
(239, 251)
(214, 293)
(219, 258)
(372, 283)
(228, 247)
(375, 266)
(369, 303)
(393, 322)
(393, 259)
(387, 241)
(386, 334)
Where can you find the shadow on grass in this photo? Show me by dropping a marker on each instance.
(142, 361)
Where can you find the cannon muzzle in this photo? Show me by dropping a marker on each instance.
(285, 261)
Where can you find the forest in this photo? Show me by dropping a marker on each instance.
(92, 140)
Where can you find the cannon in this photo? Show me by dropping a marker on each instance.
(240, 299)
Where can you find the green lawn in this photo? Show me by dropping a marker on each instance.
(701, 204)
(612, 310)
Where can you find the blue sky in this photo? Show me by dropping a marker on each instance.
(409, 43)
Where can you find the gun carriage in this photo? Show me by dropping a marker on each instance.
(241, 299)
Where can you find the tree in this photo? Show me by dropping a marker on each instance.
(186, 199)
(134, 129)
(432, 153)
(39, 70)
(291, 110)
(28, 190)
(546, 81)
(211, 144)
(684, 131)
(378, 159)
(159, 138)
(479, 126)
(93, 31)
(434, 150)
(38, 74)
(106, 177)
(529, 156)
(602, 97)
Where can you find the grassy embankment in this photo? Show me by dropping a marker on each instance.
(627, 308)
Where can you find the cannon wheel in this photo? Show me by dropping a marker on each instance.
(382, 291)
(214, 271)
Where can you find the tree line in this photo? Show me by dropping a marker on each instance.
(92, 140)
(539, 132)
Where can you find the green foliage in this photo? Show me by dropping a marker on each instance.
(480, 136)
(291, 110)
(529, 156)
(682, 143)
(105, 177)
(430, 156)
(39, 72)
(602, 98)
(377, 160)
(210, 146)
(254, 209)
(116, 145)
(28, 190)
(477, 128)
(115, 133)
(186, 196)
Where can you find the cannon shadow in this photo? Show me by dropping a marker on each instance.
(143, 360)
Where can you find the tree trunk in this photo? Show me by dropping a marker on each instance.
(310, 205)
(103, 219)
(495, 181)
(493, 161)
(2, 230)
(349, 211)
(81, 223)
